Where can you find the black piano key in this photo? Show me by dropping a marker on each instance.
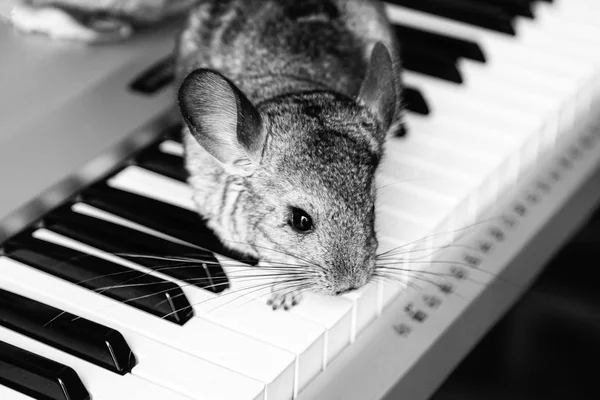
(142, 248)
(145, 292)
(429, 40)
(513, 7)
(165, 164)
(402, 130)
(39, 377)
(171, 220)
(439, 64)
(485, 15)
(414, 101)
(78, 336)
(155, 78)
(174, 133)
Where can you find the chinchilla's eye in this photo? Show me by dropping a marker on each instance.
(300, 220)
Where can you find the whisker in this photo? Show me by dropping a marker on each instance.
(256, 289)
(406, 284)
(380, 187)
(404, 270)
(280, 252)
(436, 250)
(258, 278)
(412, 274)
(422, 279)
(439, 286)
(298, 286)
(185, 264)
(414, 242)
(505, 280)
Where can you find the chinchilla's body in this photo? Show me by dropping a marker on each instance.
(301, 64)
(272, 47)
(287, 105)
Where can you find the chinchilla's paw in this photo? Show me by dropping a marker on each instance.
(60, 24)
(284, 299)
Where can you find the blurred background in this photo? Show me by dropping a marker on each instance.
(546, 347)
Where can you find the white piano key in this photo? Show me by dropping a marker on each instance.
(532, 41)
(304, 338)
(194, 295)
(449, 109)
(337, 319)
(335, 314)
(430, 182)
(359, 306)
(391, 286)
(100, 383)
(582, 29)
(577, 11)
(521, 126)
(424, 166)
(464, 130)
(452, 28)
(171, 147)
(549, 28)
(497, 47)
(138, 180)
(458, 98)
(422, 207)
(192, 376)
(239, 318)
(573, 36)
(238, 312)
(199, 338)
(392, 222)
(9, 394)
(492, 144)
(489, 146)
(426, 210)
(411, 206)
(556, 85)
(243, 308)
(410, 150)
(365, 307)
(409, 267)
(86, 209)
(481, 108)
(476, 152)
(577, 6)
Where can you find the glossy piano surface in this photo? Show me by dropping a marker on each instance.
(544, 346)
(499, 138)
(68, 116)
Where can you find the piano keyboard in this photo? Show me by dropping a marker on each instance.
(501, 98)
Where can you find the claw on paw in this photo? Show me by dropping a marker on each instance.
(283, 299)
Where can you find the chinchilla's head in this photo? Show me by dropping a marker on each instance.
(309, 162)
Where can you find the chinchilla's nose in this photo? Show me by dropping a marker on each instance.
(351, 283)
(348, 276)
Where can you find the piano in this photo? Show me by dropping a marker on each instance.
(112, 288)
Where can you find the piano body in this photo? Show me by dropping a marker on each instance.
(498, 168)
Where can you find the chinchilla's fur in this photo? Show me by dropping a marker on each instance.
(287, 104)
(301, 65)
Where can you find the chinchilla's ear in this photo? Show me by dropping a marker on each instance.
(222, 120)
(378, 90)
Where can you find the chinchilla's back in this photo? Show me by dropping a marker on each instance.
(272, 47)
(287, 105)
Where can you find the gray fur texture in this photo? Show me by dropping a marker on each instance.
(287, 105)
(301, 66)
